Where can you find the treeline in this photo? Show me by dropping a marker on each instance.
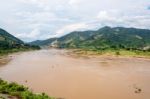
(6, 48)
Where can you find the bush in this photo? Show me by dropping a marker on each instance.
(117, 53)
(20, 91)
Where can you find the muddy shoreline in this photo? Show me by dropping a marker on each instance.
(74, 53)
(5, 59)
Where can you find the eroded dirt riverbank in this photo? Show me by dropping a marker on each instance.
(61, 75)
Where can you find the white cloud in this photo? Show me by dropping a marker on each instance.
(70, 28)
(74, 2)
(33, 34)
(48, 18)
(106, 16)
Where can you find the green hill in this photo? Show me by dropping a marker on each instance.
(74, 39)
(43, 42)
(105, 38)
(9, 43)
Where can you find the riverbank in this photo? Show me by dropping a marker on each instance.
(14, 91)
(110, 53)
(4, 60)
(14, 50)
(7, 54)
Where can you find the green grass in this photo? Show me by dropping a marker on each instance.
(118, 52)
(19, 91)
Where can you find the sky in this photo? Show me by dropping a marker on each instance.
(32, 20)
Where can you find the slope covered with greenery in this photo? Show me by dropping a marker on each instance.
(9, 43)
(104, 38)
(74, 39)
(108, 38)
(43, 42)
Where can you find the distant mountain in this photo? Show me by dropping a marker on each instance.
(8, 41)
(43, 42)
(74, 38)
(106, 37)
(64, 39)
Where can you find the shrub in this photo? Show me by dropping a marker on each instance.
(20, 91)
(117, 53)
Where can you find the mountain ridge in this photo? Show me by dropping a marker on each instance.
(10, 43)
(105, 37)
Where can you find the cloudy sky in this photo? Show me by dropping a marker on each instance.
(40, 19)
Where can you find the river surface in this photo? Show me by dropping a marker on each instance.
(61, 75)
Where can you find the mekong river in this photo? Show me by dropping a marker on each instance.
(61, 75)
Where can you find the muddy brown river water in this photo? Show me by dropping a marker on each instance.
(61, 75)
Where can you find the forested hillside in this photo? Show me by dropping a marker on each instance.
(104, 38)
(9, 43)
